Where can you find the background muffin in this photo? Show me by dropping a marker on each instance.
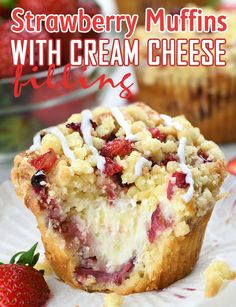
(206, 95)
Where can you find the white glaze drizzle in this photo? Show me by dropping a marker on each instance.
(86, 132)
(123, 123)
(140, 164)
(189, 178)
(36, 142)
(57, 133)
(169, 121)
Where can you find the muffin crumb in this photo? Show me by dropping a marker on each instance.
(112, 300)
(216, 275)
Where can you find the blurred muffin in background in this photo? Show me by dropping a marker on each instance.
(139, 6)
(205, 95)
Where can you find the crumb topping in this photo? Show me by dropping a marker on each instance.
(127, 142)
(216, 276)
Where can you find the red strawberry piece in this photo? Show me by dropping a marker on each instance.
(158, 225)
(77, 126)
(178, 179)
(231, 167)
(74, 126)
(111, 167)
(21, 284)
(7, 68)
(45, 162)
(168, 159)
(203, 155)
(115, 277)
(170, 189)
(117, 147)
(124, 272)
(157, 134)
(110, 190)
(70, 230)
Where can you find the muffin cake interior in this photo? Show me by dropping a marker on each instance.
(112, 183)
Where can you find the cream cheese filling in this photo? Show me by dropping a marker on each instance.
(119, 232)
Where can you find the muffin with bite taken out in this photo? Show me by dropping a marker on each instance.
(122, 196)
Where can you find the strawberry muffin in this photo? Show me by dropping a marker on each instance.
(122, 196)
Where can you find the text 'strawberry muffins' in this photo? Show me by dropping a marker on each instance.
(122, 196)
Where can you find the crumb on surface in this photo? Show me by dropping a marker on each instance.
(112, 300)
(215, 276)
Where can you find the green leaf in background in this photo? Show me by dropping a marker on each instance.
(16, 132)
(8, 3)
(213, 3)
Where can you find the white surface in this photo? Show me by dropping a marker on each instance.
(19, 232)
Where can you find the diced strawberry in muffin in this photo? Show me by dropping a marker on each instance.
(77, 126)
(178, 179)
(111, 167)
(74, 126)
(203, 155)
(158, 225)
(169, 158)
(45, 162)
(110, 191)
(117, 147)
(115, 277)
(157, 134)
